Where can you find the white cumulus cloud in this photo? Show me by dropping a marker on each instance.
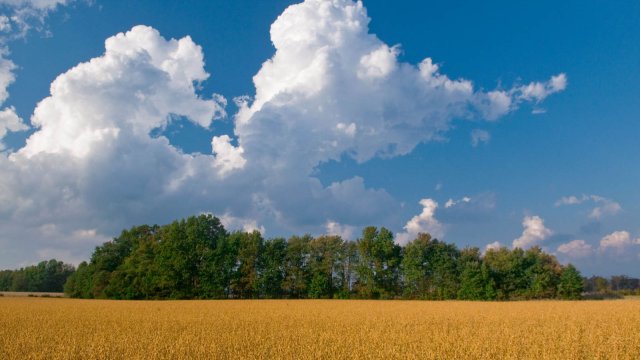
(575, 249)
(618, 241)
(331, 90)
(496, 245)
(534, 232)
(344, 231)
(425, 222)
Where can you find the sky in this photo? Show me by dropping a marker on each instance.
(484, 124)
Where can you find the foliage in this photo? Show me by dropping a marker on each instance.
(196, 258)
(46, 276)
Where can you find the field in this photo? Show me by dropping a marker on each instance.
(49, 328)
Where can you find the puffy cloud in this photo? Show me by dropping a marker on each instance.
(575, 249)
(232, 223)
(7, 76)
(331, 90)
(148, 78)
(493, 246)
(538, 91)
(227, 156)
(618, 241)
(425, 222)
(605, 207)
(344, 231)
(329, 71)
(10, 121)
(24, 15)
(91, 161)
(534, 232)
(479, 136)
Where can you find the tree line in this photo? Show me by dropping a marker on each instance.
(196, 258)
(46, 276)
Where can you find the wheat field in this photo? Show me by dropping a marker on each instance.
(41, 328)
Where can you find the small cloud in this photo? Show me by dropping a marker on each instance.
(492, 246)
(479, 137)
(618, 241)
(344, 231)
(425, 222)
(534, 232)
(477, 207)
(233, 223)
(538, 91)
(451, 202)
(575, 249)
(605, 207)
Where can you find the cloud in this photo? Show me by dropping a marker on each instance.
(534, 232)
(344, 231)
(425, 222)
(24, 15)
(618, 241)
(232, 223)
(10, 121)
(36, 4)
(575, 249)
(479, 136)
(91, 161)
(451, 203)
(331, 90)
(478, 207)
(606, 207)
(539, 91)
(492, 246)
(571, 200)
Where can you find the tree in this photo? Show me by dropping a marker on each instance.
(571, 284)
(275, 252)
(324, 264)
(379, 264)
(246, 280)
(543, 273)
(296, 267)
(416, 272)
(475, 282)
(185, 252)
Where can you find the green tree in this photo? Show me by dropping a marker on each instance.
(475, 282)
(324, 265)
(246, 280)
(571, 285)
(379, 264)
(184, 253)
(297, 274)
(275, 252)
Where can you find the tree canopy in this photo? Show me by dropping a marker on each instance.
(196, 258)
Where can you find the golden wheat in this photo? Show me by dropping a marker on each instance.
(34, 328)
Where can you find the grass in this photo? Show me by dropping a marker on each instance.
(34, 328)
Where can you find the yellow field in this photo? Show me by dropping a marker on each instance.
(35, 328)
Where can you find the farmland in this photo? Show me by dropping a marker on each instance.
(68, 328)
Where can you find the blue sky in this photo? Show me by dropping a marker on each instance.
(339, 138)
